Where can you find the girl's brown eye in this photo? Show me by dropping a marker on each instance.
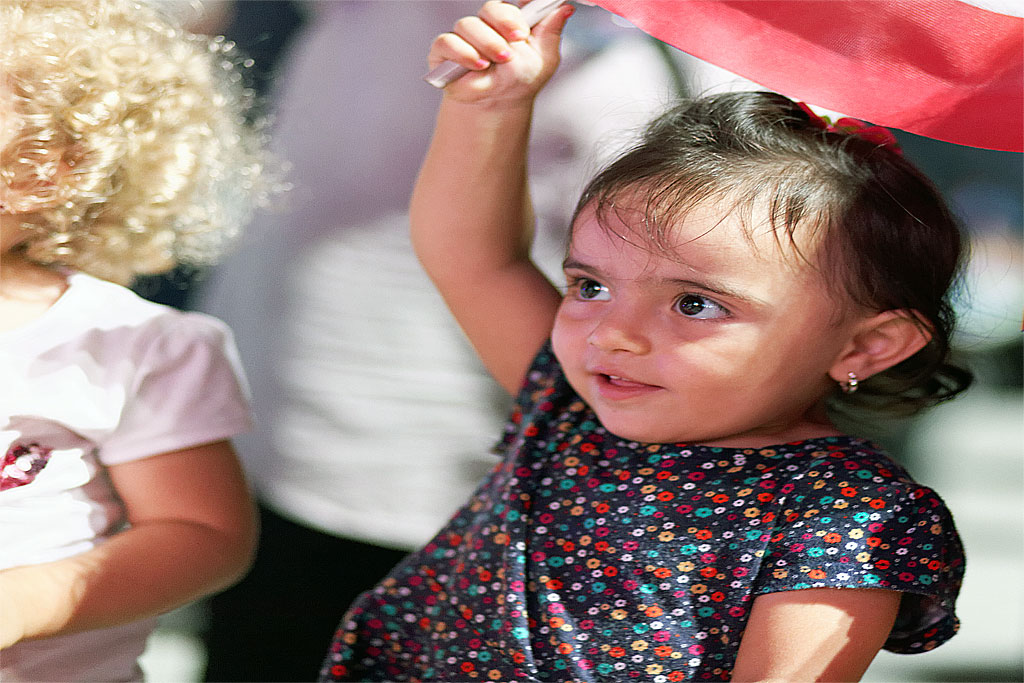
(591, 290)
(690, 305)
(701, 307)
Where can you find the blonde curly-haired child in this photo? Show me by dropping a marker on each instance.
(124, 150)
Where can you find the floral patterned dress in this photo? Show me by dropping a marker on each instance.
(583, 557)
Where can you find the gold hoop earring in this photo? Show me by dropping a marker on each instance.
(849, 385)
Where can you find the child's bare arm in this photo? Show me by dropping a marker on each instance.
(193, 532)
(823, 634)
(470, 213)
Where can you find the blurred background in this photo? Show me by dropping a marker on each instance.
(307, 296)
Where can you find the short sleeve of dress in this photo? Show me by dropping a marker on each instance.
(858, 521)
(188, 390)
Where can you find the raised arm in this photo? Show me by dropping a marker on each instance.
(470, 213)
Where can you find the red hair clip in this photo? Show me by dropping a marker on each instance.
(878, 135)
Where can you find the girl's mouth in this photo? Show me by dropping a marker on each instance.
(622, 381)
(616, 387)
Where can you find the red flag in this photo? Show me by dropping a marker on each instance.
(944, 69)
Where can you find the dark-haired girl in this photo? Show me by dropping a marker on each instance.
(674, 501)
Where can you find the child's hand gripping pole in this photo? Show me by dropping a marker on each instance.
(533, 13)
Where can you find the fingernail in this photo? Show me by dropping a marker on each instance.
(520, 34)
(504, 56)
(482, 64)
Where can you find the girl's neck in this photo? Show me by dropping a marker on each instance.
(813, 424)
(27, 290)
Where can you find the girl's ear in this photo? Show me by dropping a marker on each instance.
(880, 342)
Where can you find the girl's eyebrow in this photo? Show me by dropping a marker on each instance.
(716, 288)
(572, 264)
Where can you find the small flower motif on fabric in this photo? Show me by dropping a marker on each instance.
(21, 464)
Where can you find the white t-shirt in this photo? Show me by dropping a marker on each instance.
(103, 377)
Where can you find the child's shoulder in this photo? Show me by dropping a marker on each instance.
(842, 452)
(544, 377)
(849, 455)
(102, 317)
(850, 472)
(107, 305)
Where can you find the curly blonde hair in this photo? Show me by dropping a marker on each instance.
(130, 149)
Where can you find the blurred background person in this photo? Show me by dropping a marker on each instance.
(374, 419)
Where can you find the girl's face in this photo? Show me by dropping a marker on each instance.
(726, 341)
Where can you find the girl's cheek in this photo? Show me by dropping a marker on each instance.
(561, 337)
(571, 311)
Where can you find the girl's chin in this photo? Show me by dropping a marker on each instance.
(630, 431)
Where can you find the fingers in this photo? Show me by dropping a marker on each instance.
(451, 47)
(548, 33)
(506, 19)
(477, 42)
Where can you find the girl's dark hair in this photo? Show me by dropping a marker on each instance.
(887, 239)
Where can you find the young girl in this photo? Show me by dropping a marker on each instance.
(122, 151)
(674, 502)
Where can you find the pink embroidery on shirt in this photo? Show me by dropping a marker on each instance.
(21, 464)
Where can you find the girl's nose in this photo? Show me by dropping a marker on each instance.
(620, 329)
